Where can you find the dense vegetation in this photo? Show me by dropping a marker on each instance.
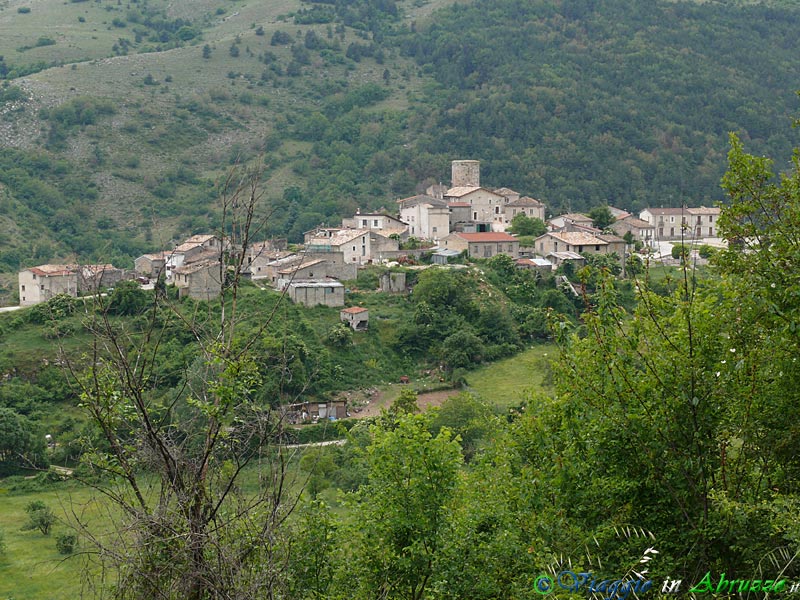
(664, 443)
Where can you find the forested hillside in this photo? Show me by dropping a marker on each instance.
(118, 119)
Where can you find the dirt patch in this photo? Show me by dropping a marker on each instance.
(368, 403)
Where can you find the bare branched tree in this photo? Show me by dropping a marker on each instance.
(196, 478)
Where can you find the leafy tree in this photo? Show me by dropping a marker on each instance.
(40, 516)
(20, 444)
(522, 224)
(405, 403)
(601, 217)
(172, 462)
(128, 298)
(206, 51)
(400, 514)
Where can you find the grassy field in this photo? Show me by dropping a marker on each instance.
(32, 567)
(505, 383)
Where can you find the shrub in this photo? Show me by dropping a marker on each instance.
(66, 542)
(23, 10)
(40, 516)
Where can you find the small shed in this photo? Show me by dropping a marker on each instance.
(356, 317)
(443, 256)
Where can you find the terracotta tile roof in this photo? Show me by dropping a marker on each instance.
(342, 236)
(459, 204)
(53, 270)
(353, 310)
(577, 238)
(196, 266)
(526, 201)
(634, 222)
(458, 192)
(295, 268)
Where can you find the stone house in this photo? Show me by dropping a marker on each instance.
(94, 278)
(386, 224)
(525, 205)
(562, 221)
(580, 242)
(428, 218)
(482, 245)
(200, 280)
(639, 229)
(356, 317)
(39, 284)
(151, 265)
(358, 246)
(305, 269)
(257, 262)
(682, 223)
(202, 247)
(486, 206)
(313, 292)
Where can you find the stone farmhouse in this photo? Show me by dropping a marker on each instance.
(357, 246)
(201, 280)
(428, 218)
(672, 224)
(579, 241)
(39, 284)
(639, 229)
(482, 245)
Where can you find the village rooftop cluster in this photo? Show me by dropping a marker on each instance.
(465, 218)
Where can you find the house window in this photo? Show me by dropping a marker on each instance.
(497, 210)
(375, 223)
(580, 249)
(43, 288)
(363, 222)
(34, 275)
(711, 231)
(672, 219)
(597, 248)
(671, 231)
(435, 229)
(710, 218)
(475, 216)
(23, 288)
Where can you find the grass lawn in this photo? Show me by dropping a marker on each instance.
(504, 383)
(31, 566)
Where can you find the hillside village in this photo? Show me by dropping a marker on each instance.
(465, 219)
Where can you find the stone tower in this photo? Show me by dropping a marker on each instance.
(466, 173)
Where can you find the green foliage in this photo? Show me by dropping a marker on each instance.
(56, 308)
(21, 445)
(405, 403)
(400, 514)
(128, 298)
(66, 543)
(339, 336)
(601, 217)
(681, 251)
(40, 517)
(522, 224)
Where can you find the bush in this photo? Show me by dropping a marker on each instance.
(23, 10)
(66, 542)
(40, 516)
